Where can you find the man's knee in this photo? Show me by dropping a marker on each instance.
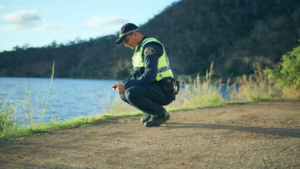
(132, 94)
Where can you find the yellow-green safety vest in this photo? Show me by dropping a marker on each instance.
(163, 66)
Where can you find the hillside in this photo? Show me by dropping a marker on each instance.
(233, 34)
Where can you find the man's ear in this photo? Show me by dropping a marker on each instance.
(134, 33)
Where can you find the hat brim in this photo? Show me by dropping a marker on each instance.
(120, 39)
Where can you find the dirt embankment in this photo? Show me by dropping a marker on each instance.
(254, 135)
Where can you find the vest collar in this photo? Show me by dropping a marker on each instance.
(140, 44)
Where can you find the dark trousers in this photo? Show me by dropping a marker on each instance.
(148, 98)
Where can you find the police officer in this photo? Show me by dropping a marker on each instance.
(151, 85)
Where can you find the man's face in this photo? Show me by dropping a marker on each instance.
(129, 41)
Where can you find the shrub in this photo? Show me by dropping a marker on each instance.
(287, 75)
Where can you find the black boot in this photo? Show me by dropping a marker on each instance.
(146, 118)
(157, 121)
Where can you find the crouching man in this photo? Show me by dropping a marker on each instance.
(152, 84)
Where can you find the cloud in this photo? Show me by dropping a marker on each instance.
(2, 6)
(18, 7)
(48, 26)
(26, 19)
(98, 21)
(104, 25)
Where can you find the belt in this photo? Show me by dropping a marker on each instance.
(161, 82)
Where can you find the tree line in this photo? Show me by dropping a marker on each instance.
(234, 34)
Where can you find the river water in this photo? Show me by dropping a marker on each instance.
(71, 98)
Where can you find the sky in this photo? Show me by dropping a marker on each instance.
(40, 22)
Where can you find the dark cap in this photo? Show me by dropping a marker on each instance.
(125, 30)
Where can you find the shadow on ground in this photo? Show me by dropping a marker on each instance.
(259, 130)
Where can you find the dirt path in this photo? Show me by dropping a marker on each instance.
(254, 135)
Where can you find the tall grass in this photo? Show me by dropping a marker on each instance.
(45, 99)
(254, 88)
(197, 93)
(8, 120)
(208, 92)
(27, 106)
(8, 117)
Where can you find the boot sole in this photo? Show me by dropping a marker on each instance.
(143, 121)
(158, 124)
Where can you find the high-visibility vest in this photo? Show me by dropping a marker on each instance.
(163, 66)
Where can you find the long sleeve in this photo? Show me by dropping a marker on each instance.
(151, 54)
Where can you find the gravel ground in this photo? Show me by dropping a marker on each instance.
(254, 135)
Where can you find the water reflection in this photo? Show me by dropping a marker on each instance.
(71, 98)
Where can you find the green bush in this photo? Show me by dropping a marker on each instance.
(287, 74)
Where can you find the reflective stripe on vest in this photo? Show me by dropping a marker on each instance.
(163, 69)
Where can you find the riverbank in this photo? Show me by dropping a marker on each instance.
(251, 135)
(194, 94)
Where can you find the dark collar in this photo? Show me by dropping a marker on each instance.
(140, 44)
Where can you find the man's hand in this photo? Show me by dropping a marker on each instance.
(119, 87)
(114, 86)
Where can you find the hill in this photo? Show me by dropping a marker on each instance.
(233, 34)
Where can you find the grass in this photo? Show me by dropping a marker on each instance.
(27, 107)
(7, 118)
(194, 94)
(41, 128)
(256, 87)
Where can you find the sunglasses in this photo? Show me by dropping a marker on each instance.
(126, 39)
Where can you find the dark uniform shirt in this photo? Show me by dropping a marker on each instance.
(151, 62)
